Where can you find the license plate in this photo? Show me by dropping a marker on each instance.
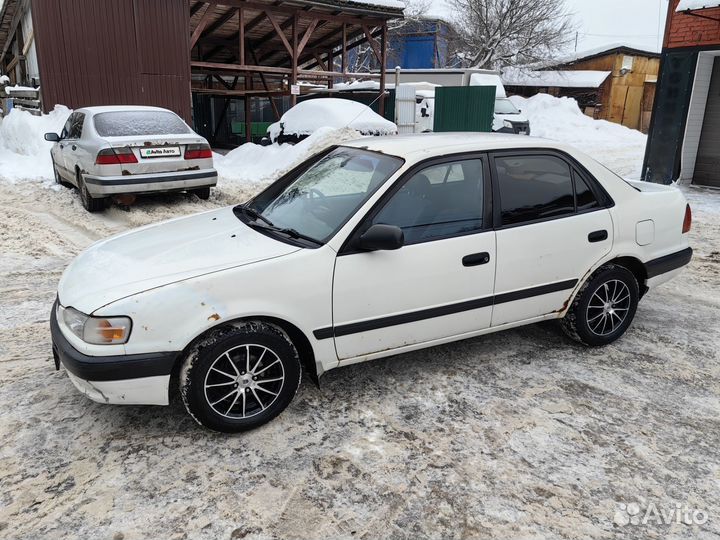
(160, 151)
(522, 132)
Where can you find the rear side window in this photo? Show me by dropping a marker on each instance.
(583, 194)
(128, 123)
(534, 187)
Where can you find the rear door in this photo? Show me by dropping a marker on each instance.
(440, 283)
(552, 226)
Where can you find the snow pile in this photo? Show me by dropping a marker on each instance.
(24, 153)
(619, 148)
(309, 116)
(255, 164)
(696, 4)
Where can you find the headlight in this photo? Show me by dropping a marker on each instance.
(508, 124)
(97, 330)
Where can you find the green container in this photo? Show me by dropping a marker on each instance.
(464, 108)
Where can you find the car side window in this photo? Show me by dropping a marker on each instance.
(584, 197)
(76, 126)
(439, 201)
(534, 187)
(65, 133)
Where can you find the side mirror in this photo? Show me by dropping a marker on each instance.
(381, 237)
(52, 137)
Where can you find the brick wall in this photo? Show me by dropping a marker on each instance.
(689, 31)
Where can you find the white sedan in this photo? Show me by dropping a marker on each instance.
(105, 151)
(377, 247)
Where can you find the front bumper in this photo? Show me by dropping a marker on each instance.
(102, 186)
(129, 379)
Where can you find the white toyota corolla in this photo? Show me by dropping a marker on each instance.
(376, 247)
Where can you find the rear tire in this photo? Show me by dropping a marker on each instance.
(202, 193)
(89, 203)
(240, 376)
(604, 307)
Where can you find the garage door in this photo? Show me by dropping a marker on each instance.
(707, 166)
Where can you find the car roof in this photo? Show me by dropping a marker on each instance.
(119, 108)
(421, 145)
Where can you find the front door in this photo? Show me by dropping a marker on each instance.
(440, 283)
(553, 228)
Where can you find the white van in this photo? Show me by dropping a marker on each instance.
(507, 118)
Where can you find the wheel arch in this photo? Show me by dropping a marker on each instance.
(297, 336)
(634, 265)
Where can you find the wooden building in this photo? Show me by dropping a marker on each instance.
(626, 97)
(615, 83)
(684, 137)
(173, 53)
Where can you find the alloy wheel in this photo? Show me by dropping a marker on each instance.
(608, 307)
(244, 381)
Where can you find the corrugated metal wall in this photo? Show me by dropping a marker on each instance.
(114, 52)
(464, 108)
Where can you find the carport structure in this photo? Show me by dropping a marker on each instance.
(266, 48)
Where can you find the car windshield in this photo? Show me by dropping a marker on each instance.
(319, 200)
(505, 106)
(124, 123)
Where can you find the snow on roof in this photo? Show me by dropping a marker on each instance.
(97, 109)
(488, 79)
(597, 51)
(685, 5)
(559, 79)
(309, 116)
(18, 89)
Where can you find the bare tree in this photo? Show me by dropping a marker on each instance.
(495, 33)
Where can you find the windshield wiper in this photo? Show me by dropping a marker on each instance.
(292, 233)
(270, 226)
(253, 214)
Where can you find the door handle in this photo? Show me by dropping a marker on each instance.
(62, 146)
(598, 236)
(476, 259)
(74, 147)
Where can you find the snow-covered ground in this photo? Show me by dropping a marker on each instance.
(520, 434)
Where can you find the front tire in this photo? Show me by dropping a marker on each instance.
(604, 307)
(240, 376)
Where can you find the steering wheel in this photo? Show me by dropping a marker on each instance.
(317, 208)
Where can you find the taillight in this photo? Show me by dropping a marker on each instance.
(687, 222)
(198, 151)
(115, 156)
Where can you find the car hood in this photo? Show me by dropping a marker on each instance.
(161, 254)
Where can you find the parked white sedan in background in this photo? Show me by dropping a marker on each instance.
(105, 151)
(381, 246)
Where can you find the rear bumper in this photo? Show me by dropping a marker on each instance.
(128, 379)
(665, 268)
(101, 186)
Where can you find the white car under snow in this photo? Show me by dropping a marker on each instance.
(380, 246)
(308, 116)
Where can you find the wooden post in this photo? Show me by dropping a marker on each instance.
(343, 61)
(294, 74)
(331, 67)
(248, 111)
(241, 32)
(383, 61)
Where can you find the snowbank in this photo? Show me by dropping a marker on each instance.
(309, 116)
(24, 153)
(255, 164)
(560, 119)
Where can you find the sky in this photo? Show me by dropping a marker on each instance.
(639, 23)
